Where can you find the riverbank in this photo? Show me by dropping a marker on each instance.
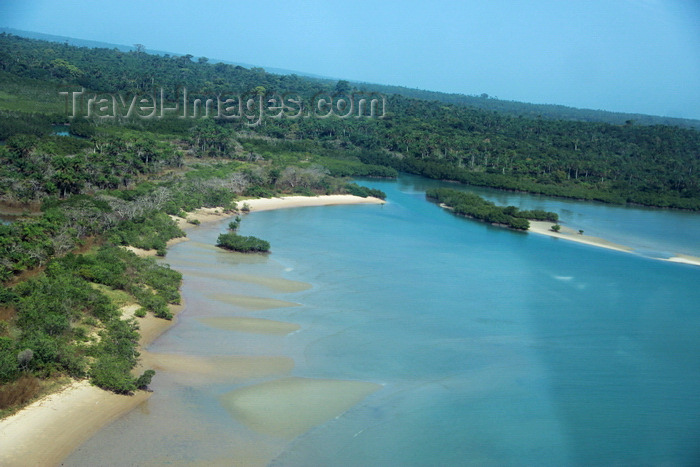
(204, 215)
(71, 416)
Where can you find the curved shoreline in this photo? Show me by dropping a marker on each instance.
(72, 415)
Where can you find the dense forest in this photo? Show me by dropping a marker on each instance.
(655, 165)
(119, 179)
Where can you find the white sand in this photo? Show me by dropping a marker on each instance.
(545, 228)
(46, 431)
(204, 215)
(267, 204)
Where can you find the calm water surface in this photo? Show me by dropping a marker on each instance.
(493, 347)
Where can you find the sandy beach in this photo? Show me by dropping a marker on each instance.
(566, 233)
(204, 215)
(48, 430)
(685, 259)
(545, 228)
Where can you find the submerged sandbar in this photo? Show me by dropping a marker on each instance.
(289, 407)
(251, 325)
(219, 367)
(250, 302)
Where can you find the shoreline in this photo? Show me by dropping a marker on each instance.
(566, 233)
(69, 417)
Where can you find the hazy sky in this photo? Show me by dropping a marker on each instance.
(623, 55)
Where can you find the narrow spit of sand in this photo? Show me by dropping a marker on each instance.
(566, 233)
(685, 259)
(545, 228)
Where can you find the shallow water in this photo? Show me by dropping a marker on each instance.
(491, 347)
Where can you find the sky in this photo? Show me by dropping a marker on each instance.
(637, 56)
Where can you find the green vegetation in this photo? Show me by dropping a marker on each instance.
(471, 205)
(242, 244)
(62, 324)
(234, 224)
(439, 136)
(116, 182)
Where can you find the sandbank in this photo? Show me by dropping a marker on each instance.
(251, 303)
(251, 325)
(204, 215)
(289, 407)
(545, 228)
(685, 259)
(276, 284)
(267, 204)
(219, 367)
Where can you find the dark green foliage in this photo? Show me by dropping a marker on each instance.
(234, 224)
(112, 373)
(145, 379)
(460, 138)
(363, 191)
(258, 192)
(351, 168)
(235, 242)
(9, 366)
(471, 205)
(148, 232)
(537, 215)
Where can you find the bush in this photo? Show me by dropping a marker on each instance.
(234, 224)
(145, 379)
(113, 374)
(235, 242)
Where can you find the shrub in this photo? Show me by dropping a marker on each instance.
(235, 242)
(113, 374)
(145, 379)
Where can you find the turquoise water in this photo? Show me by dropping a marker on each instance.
(493, 347)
